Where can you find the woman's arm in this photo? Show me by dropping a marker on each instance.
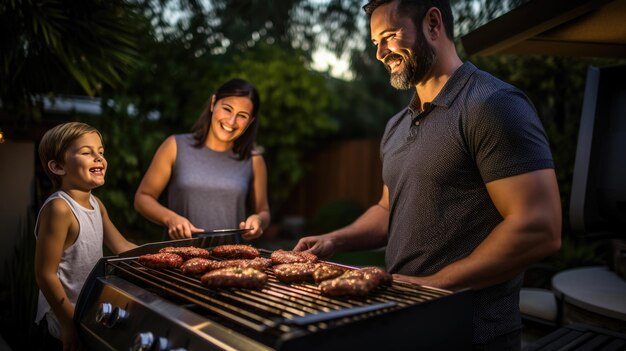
(152, 185)
(56, 222)
(260, 220)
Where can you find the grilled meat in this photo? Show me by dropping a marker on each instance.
(375, 274)
(282, 256)
(258, 263)
(383, 277)
(326, 271)
(187, 252)
(295, 272)
(235, 277)
(346, 286)
(161, 260)
(235, 251)
(196, 266)
(356, 282)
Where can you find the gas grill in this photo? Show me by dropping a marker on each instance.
(125, 305)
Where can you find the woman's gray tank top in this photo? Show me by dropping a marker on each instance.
(77, 260)
(207, 187)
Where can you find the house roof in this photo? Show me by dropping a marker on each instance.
(592, 28)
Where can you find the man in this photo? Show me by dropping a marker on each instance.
(470, 196)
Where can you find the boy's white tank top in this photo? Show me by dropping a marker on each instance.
(78, 259)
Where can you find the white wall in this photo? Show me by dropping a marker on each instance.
(17, 173)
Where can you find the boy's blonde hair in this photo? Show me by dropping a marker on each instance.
(55, 143)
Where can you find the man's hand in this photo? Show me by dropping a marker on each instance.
(320, 245)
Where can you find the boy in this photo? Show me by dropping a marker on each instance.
(72, 225)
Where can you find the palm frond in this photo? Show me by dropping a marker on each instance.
(52, 45)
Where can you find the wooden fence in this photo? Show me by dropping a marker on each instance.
(347, 169)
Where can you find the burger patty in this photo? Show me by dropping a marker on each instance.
(196, 266)
(161, 260)
(234, 277)
(295, 272)
(356, 282)
(235, 251)
(376, 273)
(258, 263)
(282, 256)
(346, 286)
(187, 252)
(326, 271)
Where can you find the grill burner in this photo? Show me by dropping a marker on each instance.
(126, 303)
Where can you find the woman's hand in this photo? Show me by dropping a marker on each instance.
(255, 223)
(179, 227)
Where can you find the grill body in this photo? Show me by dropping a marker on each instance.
(125, 305)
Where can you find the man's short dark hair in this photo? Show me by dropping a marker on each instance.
(419, 9)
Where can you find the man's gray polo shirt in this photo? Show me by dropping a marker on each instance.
(436, 164)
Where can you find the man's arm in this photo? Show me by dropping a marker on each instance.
(531, 230)
(366, 232)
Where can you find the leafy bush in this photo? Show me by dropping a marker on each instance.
(334, 215)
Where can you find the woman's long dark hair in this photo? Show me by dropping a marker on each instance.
(234, 87)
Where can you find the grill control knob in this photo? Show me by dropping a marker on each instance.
(118, 317)
(143, 341)
(161, 344)
(104, 313)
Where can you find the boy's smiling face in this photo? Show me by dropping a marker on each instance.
(84, 166)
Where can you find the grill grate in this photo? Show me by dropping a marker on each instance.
(179, 312)
(278, 308)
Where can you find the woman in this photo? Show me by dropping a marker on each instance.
(213, 175)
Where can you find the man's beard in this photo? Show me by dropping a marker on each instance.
(416, 66)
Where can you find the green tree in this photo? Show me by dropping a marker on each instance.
(62, 47)
(293, 112)
(185, 60)
(300, 24)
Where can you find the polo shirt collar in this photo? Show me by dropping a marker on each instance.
(450, 90)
